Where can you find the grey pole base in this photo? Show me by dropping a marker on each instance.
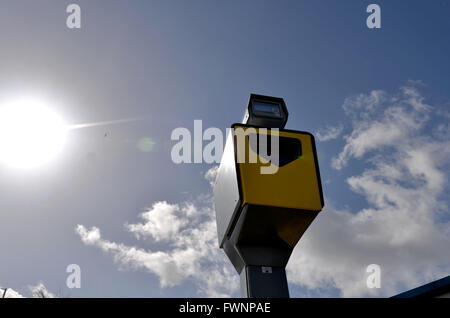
(264, 282)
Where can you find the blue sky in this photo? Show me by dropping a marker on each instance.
(171, 62)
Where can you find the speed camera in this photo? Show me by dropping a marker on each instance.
(265, 111)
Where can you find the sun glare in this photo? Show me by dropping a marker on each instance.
(30, 134)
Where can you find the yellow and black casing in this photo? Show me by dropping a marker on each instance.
(278, 206)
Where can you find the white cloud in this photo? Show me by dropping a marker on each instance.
(9, 293)
(37, 291)
(363, 104)
(381, 121)
(162, 222)
(405, 227)
(211, 175)
(329, 132)
(191, 253)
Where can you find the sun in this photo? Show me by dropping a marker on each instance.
(31, 134)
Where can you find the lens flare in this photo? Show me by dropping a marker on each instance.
(146, 144)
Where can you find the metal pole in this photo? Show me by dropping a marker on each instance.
(4, 292)
(264, 282)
